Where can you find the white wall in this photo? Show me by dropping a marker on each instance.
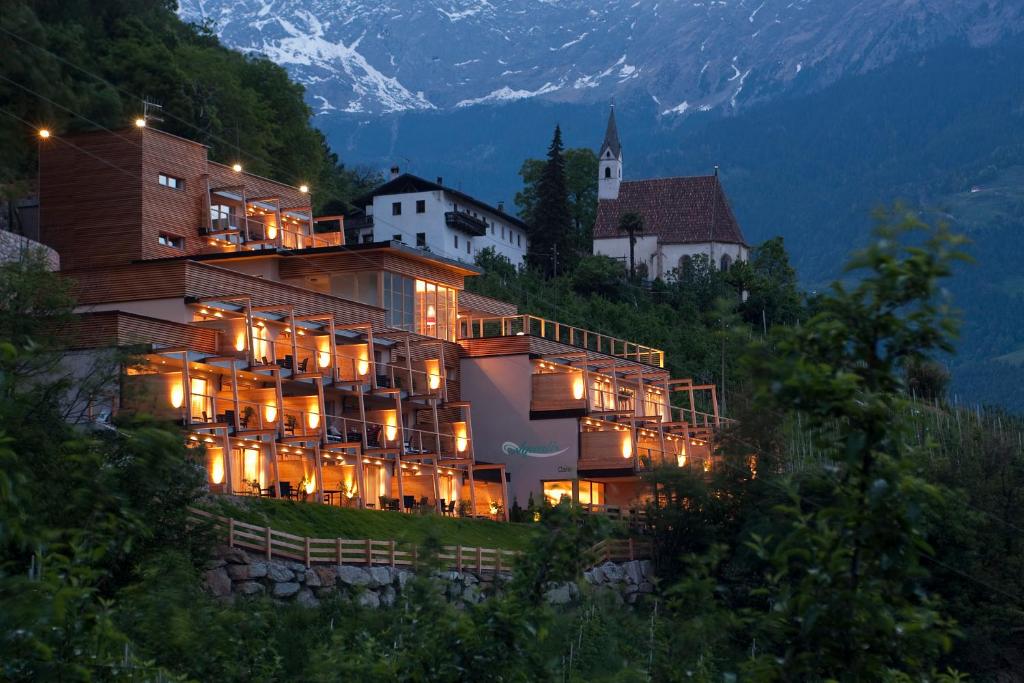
(504, 238)
(499, 389)
(173, 309)
(663, 258)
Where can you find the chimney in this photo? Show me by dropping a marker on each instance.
(501, 205)
(394, 172)
(440, 180)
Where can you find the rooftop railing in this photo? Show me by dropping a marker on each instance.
(517, 325)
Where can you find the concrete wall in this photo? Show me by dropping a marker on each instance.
(505, 239)
(533, 450)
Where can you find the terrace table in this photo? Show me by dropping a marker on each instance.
(329, 495)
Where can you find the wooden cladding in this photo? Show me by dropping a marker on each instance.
(117, 328)
(554, 391)
(91, 198)
(381, 259)
(257, 186)
(478, 303)
(606, 450)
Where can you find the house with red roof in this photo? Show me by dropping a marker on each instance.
(683, 217)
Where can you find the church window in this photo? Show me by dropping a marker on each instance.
(726, 262)
(684, 262)
(607, 171)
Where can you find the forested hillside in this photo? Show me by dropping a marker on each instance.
(85, 63)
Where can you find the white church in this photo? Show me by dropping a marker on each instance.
(682, 217)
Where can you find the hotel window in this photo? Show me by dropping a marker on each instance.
(170, 181)
(421, 239)
(173, 241)
(467, 246)
(418, 306)
(396, 208)
(653, 403)
(201, 401)
(421, 206)
(591, 492)
(555, 491)
(456, 241)
(519, 240)
(396, 238)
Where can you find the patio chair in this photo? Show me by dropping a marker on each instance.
(373, 436)
(286, 489)
(409, 502)
(303, 365)
(450, 512)
(443, 506)
(265, 361)
(290, 425)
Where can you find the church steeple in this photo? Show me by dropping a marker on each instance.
(610, 161)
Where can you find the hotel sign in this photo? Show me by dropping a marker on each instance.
(528, 450)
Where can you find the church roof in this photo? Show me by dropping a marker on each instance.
(682, 210)
(611, 137)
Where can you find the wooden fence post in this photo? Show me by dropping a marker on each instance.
(307, 553)
(267, 541)
(337, 548)
(458, 557)
(632, 553)
(479, 559)
(497, 564)
(392, 549)
(231, 532)
(414, 557)
(369, 552)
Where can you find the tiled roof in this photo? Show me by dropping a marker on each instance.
(677, 210)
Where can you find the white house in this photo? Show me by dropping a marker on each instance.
(430, 216)
(682, 217)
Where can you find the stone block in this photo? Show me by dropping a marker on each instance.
(612, 572)
(238, 572)
(258, 569)
(326, 576)
(562, 595)
(368, 599)
(277, 571)
(634, 574)
(217, 582)
(285, 589)
(235, 556)
(387, 596)
(249, 588)
(379, 576)
(306, 598)
(353, 576)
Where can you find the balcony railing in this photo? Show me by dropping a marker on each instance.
(515, 325)
(460, 220)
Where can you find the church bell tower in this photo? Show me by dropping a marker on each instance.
(610, 161)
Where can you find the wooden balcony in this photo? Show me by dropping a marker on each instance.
(519, 325)
(460, 220)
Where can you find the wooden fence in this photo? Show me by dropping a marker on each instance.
(621, 550)
(273, 543)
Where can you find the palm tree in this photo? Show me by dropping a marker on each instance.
(633, 224)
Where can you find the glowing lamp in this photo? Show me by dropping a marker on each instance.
(217, 470)
(311, 484)
(304, 189)
(627, 446)
(270, 412)
(313, 420)
(681, 460)
(44, 133)
(240, 342)
(391, 429)
(577, 387)
(141, 123)
(431, 316)
(271, 231)
(237, 168)
(707, 464)
(363, 366)
(461, 439)
(323, 359)
(177, 394)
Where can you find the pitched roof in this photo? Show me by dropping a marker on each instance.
(611, 137)
(684, 210)
(407, 182)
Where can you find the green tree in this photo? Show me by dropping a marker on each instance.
(553, 247)
(633, 225)
(844, 593)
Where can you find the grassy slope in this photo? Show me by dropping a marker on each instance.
(321, 521)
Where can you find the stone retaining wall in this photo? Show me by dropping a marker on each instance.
(234, 572)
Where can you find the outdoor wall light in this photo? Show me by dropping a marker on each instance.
(177, 395)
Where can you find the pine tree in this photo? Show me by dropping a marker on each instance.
(553, 248)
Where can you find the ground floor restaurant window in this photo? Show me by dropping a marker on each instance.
(592, 493)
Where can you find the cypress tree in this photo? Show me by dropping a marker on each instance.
(553, 248)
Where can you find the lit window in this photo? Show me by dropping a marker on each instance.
(173, 241)
(555, 491)
(170, 181)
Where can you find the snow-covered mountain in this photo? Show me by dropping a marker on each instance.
(366, 57)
